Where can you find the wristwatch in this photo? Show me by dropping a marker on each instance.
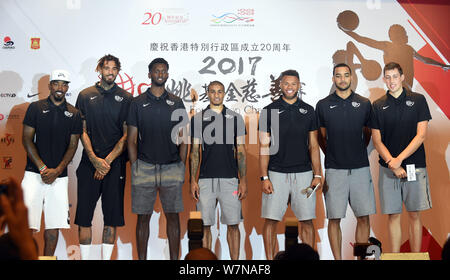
(263, 178)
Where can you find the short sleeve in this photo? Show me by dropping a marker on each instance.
(423, 111)
(264, 124)
(77, 127)
(31, 115)
(374, 121)
(132, 113)
(319, 115)
(314, 124)
(80, 106)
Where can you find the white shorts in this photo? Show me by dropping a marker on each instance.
(53, 199)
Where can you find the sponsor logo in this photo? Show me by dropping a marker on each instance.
(166, 17)
(8, 43)
(228, 116)
(7, 162)
(68, 114)
(170, 102)
(93, 97)
(9, 117)
(333, 106)
(45, 111)
(8, 139)
(145, 105)
(35, 43)
(241, 17)
(8, 94)
(409, 103)
(303, 111)
(29, 95)
(385, 107)
(280, 112)
(355, 104)
(118, 98)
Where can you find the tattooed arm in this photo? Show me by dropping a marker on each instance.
(242, 166)
(194, 162)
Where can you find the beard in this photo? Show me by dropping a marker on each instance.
(343, 89)
(58, 97)
(109, 82)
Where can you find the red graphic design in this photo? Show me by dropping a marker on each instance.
(430, 18)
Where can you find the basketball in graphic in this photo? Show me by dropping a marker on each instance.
(370, 69)
(348, 20)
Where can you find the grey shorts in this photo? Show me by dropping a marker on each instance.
(352, 186)
(147, 179)
(225, 192)
(288, 187)
(395, 191)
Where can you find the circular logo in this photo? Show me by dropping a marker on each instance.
(125, 82)
(1, 117)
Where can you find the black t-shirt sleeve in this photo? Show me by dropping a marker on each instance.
(368, 114)
(80, 106)
(424, 111)
(314, 124)
(319, 115)
(31, 115)
(132, 114)
(77, 127)
(374, 121)
(264, 123)
(240, 126)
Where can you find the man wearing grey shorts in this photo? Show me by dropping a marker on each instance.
(289, 162)
(399, 124)
(220, 133)
(157, 157)
(343, 136)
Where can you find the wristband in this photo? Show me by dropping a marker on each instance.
(317, 176)
(43, 168)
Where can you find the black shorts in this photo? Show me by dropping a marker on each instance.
(111, 189)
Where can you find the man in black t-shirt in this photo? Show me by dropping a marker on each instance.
(51, 129)
(157, 157)
(104, 108)
(399, 125)
(343, 136)
(220, 133)
(290, 167)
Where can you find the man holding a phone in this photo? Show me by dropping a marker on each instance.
(289, 161)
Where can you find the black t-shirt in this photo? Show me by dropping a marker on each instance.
(344, 120)
(157, 120)
(218, 134)
(53, 126)
(397, 119)
(105, 113)
(291, 153)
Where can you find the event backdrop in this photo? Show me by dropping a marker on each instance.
(244, 44)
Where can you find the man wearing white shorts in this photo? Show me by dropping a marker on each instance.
(51, 129)
(218, 144)
(289, 161)
(399, 125)
(343, 136)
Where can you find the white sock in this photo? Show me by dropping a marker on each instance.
(85, 250)
(107, 251)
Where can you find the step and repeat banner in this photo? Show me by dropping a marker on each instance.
(245, 45)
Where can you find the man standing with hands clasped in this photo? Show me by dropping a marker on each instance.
(51, 129)
(104, 108)
(399, 125)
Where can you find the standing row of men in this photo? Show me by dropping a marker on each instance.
(151, 127)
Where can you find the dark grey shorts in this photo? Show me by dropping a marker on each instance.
(147, 179)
